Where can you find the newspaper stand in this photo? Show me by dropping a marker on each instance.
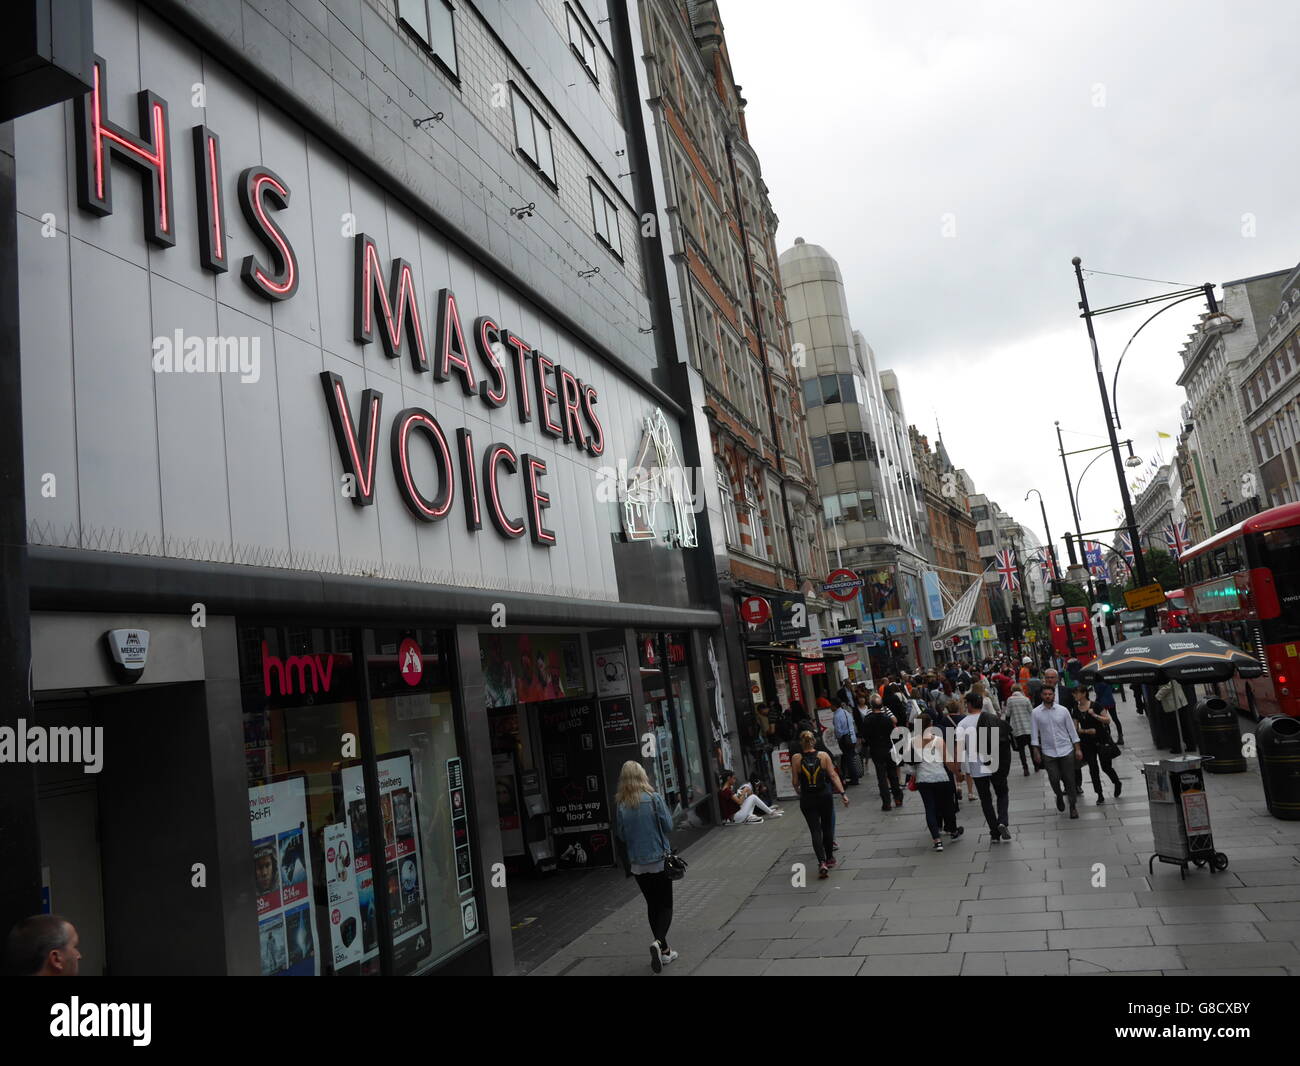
(1180, 815)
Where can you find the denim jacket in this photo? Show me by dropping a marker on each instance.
(644, 830)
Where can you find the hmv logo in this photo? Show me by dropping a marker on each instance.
(314, 670)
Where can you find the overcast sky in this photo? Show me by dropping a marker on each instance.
(1134, 136)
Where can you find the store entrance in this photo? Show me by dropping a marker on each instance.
(552, 801)
(67, 805)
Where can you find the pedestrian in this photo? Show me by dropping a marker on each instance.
(814, 777)
(1020, 713)
(1104, 698)
(739, 804)
(642, 823)
(984, 747)
(878, 727)
(990, 696)
(44, 945)
(846, 735)
(932, 766)
(953, 714)
(1093, 724)
(1056, 744)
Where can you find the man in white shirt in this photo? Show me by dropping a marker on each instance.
(1064, 697)
(1055, 743)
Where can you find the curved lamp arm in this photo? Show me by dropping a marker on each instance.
(1114, 381)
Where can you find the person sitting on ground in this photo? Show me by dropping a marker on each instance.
(737, 804)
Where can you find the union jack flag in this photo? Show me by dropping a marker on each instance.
(1125, 543)
(1045, 564)
(1092, 554)
(1006, 564)
(1176, 538)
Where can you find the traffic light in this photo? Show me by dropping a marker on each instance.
(895, 644)
(1004, 632)
(1017, 621)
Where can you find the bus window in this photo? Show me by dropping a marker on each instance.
(1279, 551)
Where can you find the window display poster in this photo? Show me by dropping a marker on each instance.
(575, 782)
(611, 672)
(402, 872)
(344, 907)
(460, 829)
(617, 723)
(530, 668)
(277, 813)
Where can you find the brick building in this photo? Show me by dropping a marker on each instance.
(734, 315)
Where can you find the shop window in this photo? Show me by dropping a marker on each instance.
(678, 771)
(424, 800)
(300, 699)
(359, 807)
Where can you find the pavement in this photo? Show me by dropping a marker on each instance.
(1061, 897)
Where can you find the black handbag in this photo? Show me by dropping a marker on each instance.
(674, 864)
(1107, 749)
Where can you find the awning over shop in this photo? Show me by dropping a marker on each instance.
(958, 618)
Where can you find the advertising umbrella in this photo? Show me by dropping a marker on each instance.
(1183, 657)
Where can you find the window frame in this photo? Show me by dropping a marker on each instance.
(450, 66)
(535, 119)
(575, 21)
(614, 247)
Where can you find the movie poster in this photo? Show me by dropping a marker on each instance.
(401, 874)
(286, 927)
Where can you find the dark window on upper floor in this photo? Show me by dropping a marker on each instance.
(584, 47)
(433, 23)
(532, 135)
(604, 220)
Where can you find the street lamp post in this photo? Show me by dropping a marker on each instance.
(1140, 566)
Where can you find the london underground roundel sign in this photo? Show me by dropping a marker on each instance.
(842, 585)
(755, 610)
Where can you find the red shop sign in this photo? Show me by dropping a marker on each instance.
(755, 610)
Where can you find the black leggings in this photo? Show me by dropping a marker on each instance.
(1091, 757)
(658, 892)
(819, 813)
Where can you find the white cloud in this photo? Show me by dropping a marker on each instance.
(875, 120)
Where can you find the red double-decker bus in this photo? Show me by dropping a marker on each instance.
(1079, 641)
(1243, 584)
(1173, 615)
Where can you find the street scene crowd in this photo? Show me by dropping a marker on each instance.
(947, 736)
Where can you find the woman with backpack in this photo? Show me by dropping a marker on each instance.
(642, 824)
(817, 783)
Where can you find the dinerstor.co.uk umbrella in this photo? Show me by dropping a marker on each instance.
(1184, 657)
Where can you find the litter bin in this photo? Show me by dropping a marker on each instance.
(1219, 736)
(1277, 742)
(1180, 815)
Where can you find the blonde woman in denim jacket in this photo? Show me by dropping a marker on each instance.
(642, 823)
